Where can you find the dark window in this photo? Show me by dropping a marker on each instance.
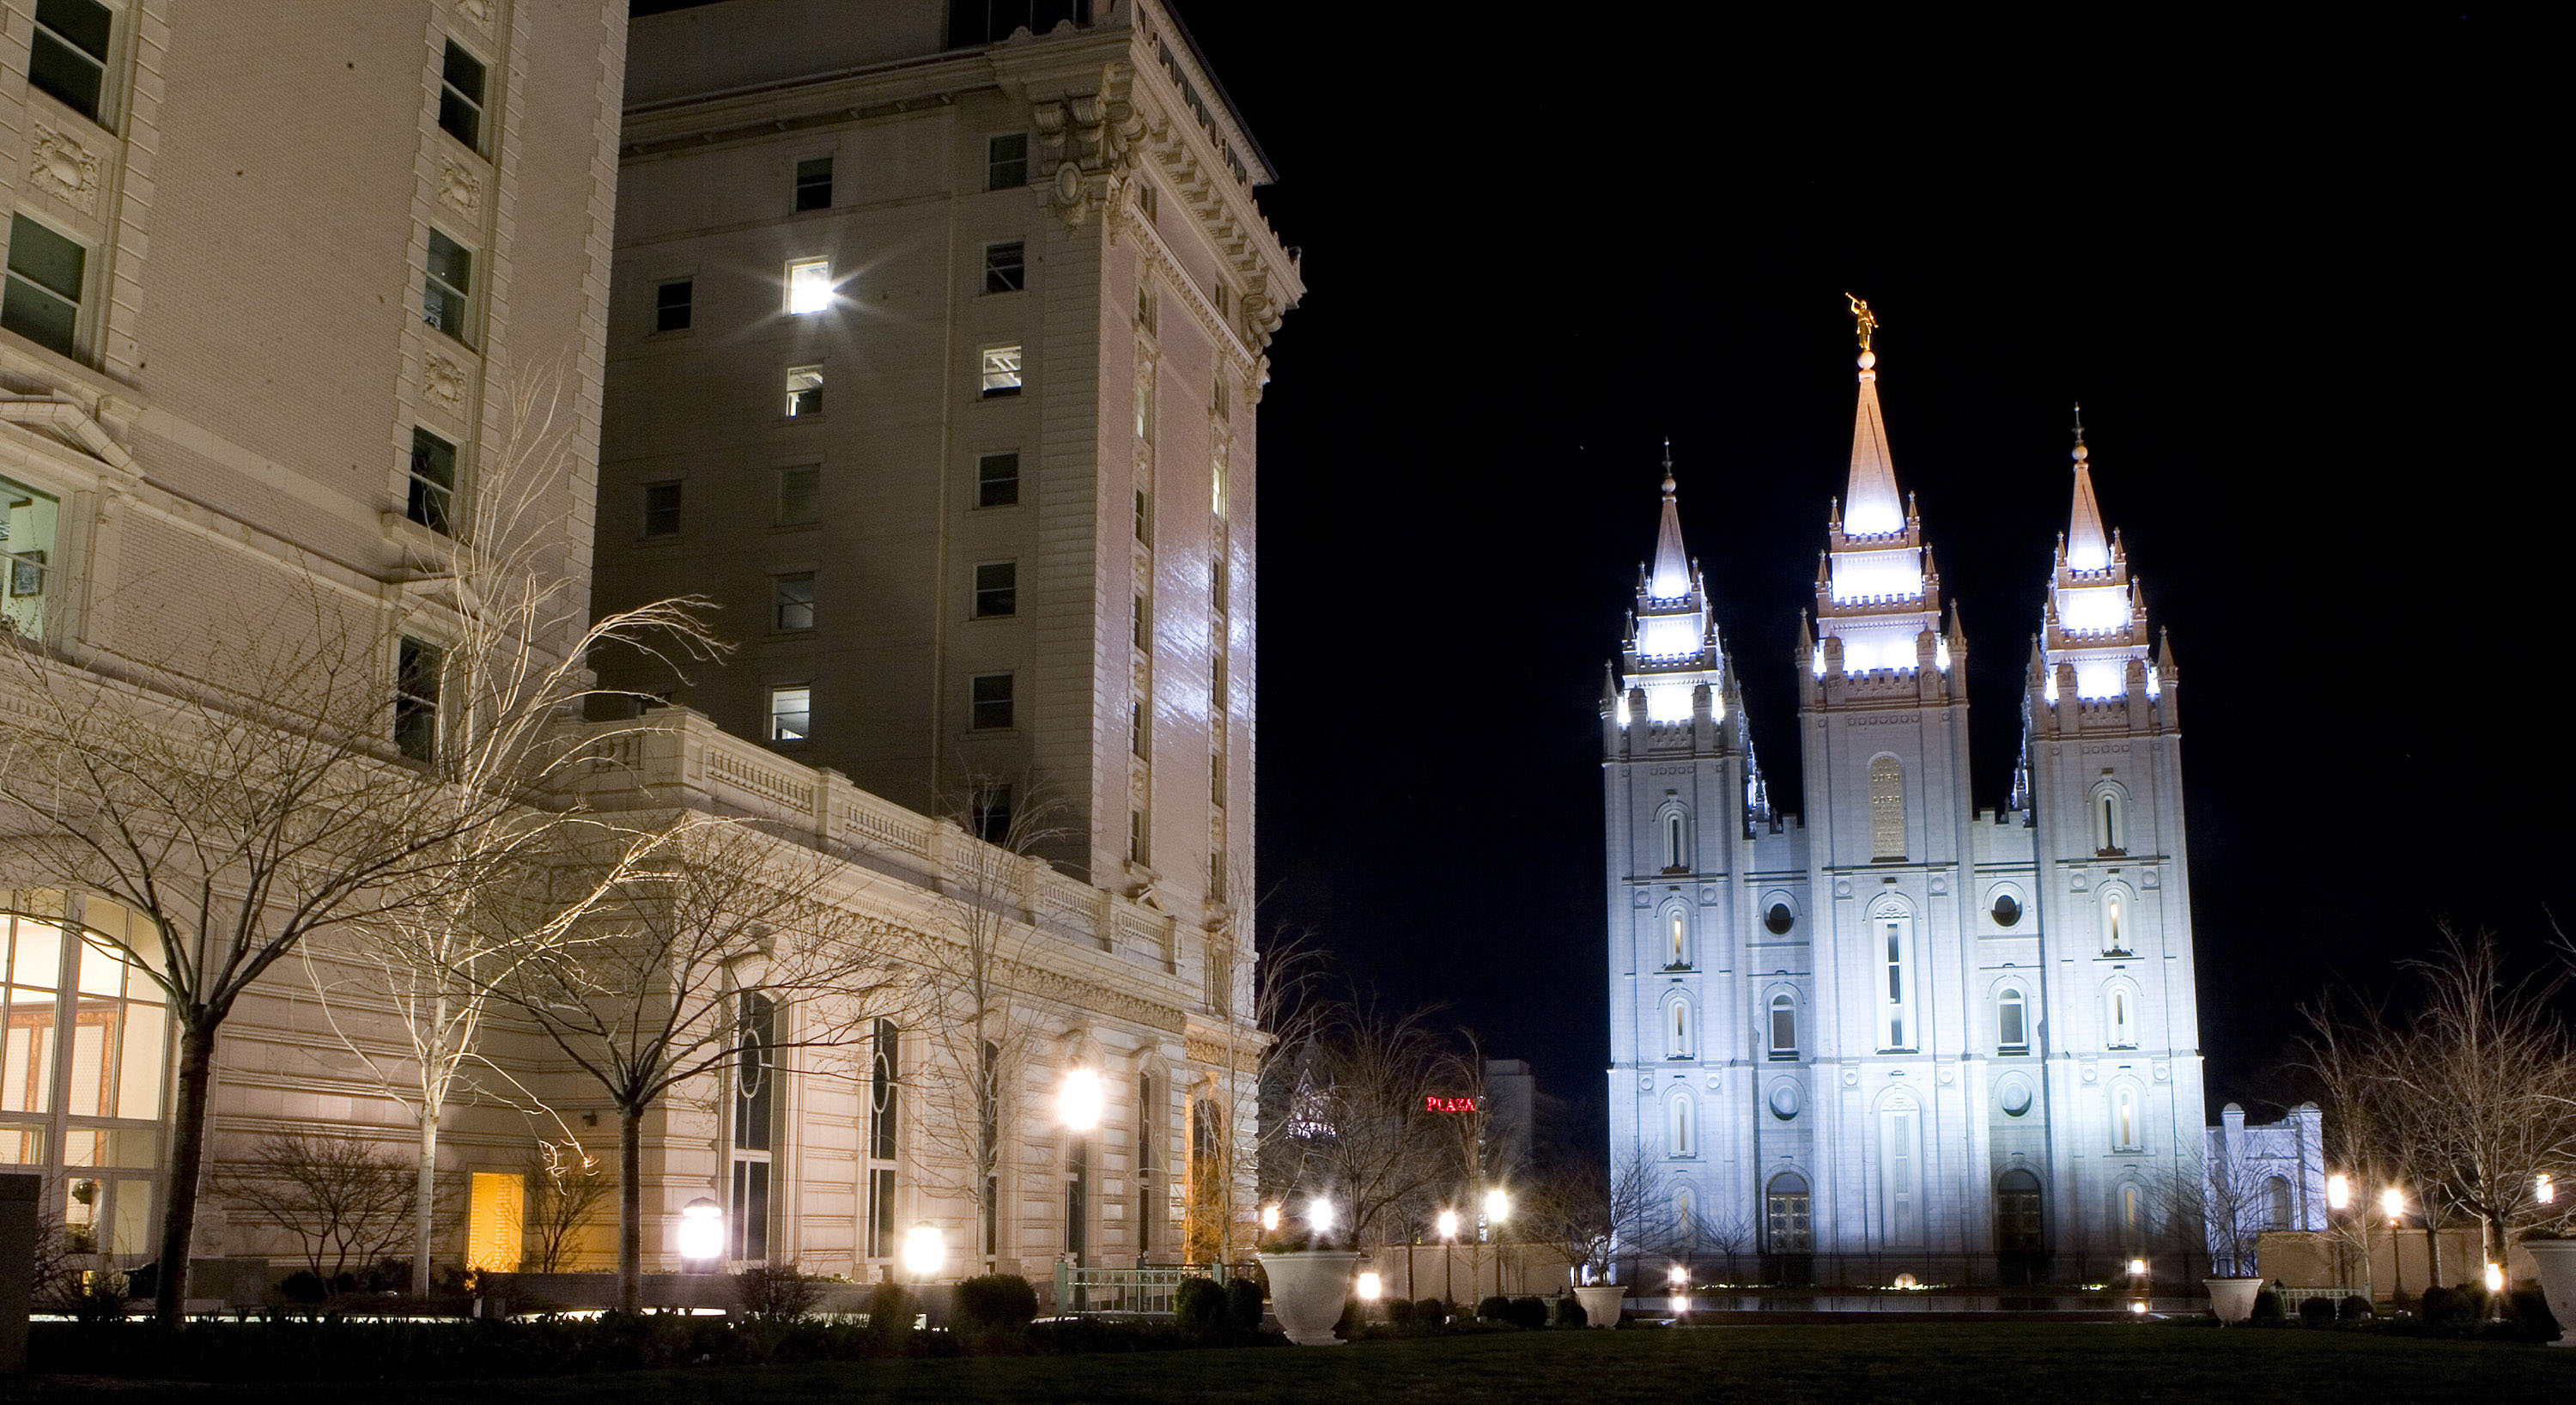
(416, 671)
(1779, 920)
(1136, 741)
(1147, 1211)
(1006, 162)
(1144, 517)
(1136, 846)
(2007, 910)
(1144, 627)
(997, 589)
(997, 480)
(460, 96)
(1784, 1027)
(800, 495)
(1005, 267)
(992, 702)
(990, 810)
(814, 184)
(755, 1067)
(432, 498)
(792, 601)
(992, 21)
(881, 1213)
(1077, 1198)
(883, 1067)
(2017, 1214)
(1216, 778)
(69, 59)
(450, 278)
(750, 1224)
(1216, 583)
(671, 305)
(804, 391)
(661, 509)
(46, 271)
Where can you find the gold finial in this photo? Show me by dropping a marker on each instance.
(1861, 314)
(2080, 452)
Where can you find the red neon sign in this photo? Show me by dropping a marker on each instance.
(1432, 1103)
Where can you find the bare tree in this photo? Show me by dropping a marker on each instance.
(1267, 1000)
(1362, 1123)
(1597, 1212)
(565, 1185)
(716, 932)
(2222, 1203)
(345, 1201)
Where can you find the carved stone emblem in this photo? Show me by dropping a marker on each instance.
(479, 11)
(446, 380)
(458, 188)
(62, 169)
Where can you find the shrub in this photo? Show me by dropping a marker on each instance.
(890, 1314)
(997, 1304)
(1399, 1312)
(1243, 1304)
(1430, 1312)
(1569, 1311)
(776, 1293)
(2531, 1310)
(2267, 1306)
(2317, 1312)
(2437, 1304)
(1202, 1310)
(304, 1286)
(2354, 1309)
(1528, 1312)
(1348, 1323)
(1496, 1308)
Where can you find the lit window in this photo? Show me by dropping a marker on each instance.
(991, 695)
(2012, 1022)
(27, 522)
(443, 291)
(1680, 1134)
(800, 495)
(2115, 928)
(430, 500)
(809, 285)
(1784, 1026)
(997, 480)
(1892, 934)
(671, 305)
(997, 590)
(1216, 483)
(814, 184)
(661, 509)
(1676, 941)
(792, 602)
(1145, 401)
(791, 714)
(460, 96)
(1886, 810)
(1678, 1031)
(1006, 161)
(69, 58)
(1001, 371)
(2124, 1119)
(1006, 267)
(2122, 1018)
(46, 276)
(804, 391)
(416, 672)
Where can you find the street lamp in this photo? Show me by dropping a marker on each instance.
(701, 1234)
(1447, 1224)
(1319, 1215)
(2392, 1203)
(2338, 1191)
(1498, 1208)
(2543, 1189)
(2495, 1278)
(1079, 1101)
(1680, 1279)
(1269, 1218)
(925, 1251)
(1371, 1288)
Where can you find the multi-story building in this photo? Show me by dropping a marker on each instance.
(936, 336)
(1902, 1034)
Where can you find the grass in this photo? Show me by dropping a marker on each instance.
(2033, 1364)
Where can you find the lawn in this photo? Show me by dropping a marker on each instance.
(2035, 1364)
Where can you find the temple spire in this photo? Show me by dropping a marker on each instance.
(1871, 507)
(2087, 546)
(1671, 579)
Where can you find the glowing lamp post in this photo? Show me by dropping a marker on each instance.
(2338, 1191)
(1498, 1208)
(1447, 1224)
(1370, 1289)
(1319, 1215)
(925, 1251)
(1680, 1278)
(2543, 1189)
(1079, 1102)
(2392, 1203)
(701, 1234)
(1269, 1218)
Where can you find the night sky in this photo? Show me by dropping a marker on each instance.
(2296, 278)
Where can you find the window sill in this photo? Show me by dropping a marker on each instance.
(1784, 1056)
(457, 144)
(1011, 394)
(815, 418)
(400, 528)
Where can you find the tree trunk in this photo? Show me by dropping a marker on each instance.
(630, 1208)
(187, 1167)
(424, 1215)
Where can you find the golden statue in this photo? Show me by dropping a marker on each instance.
(1861, 314)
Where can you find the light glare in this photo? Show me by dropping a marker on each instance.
(1080, 1101)
(1498, 1207)
(1447, 1224)
(809, 285)
(701, 1233)
(925, 1250)
(1319, 1215)
(1371, 1287)
(2339, 1191)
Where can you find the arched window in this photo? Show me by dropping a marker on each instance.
(1900, 1162)
(1784, 1026)
(2120, 1017)
(2124, 1118)
(2129, 1215)
(2017, 1222)
(1676, 939)
(1677, 1028)
(1685, 1217)
(2012, 1022)
(755, 1119)
(1681, 1137)
(1886, 810)
(1784, 1215)
(2116, 935)
(2276, 1203)
(1895, 984)
(2110, 822)
(1676, 853)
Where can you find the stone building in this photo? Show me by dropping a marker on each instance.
(1897, 1033)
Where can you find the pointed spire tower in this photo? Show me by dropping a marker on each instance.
(1878, 598)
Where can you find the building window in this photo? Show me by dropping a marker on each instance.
(1005, 267)
(2122, 1017)
(997, 480)
(662, 509)
(881, 1212)
(2012, 1022)
(792, 602)
(883, 1068)
(1676, 940)
(46, 276)
(27, 521)
(1006, 161)
(814, 184)
(800, 495)
(1138, 851)
(2128, 1216)
(2007, 909)
(1216, 779)
(1217, 578)
(1139, 743)
(2110, 824)
(2014, 1098)
(2276, 1203)
(69, 57)
(991, 694)
(1784, 1215)
(989, 810)
(430, 495)
(1220, 403)
(1891, 933)
(1681, 1137)
(2124, 1118)
(80, 1008)
(1143, 630)
(2115, 924)
(1077, 1198)
(1900, 1164)
(1779, 920)
(809, 286)
(1145, 306)
(443, 290)
(1148, 1209)
(997, 590)
(2017, 1214)
(1676, 843)
(460, 96)
(416, 670)
(1886, 810)
(1145, 402)
(1677, 1030)
(671, 304)
(1001, 371)
(1144, 517)
(1216, 483)
(791, 714)
(755, 1116)
(804, 392)
(1784, 1026)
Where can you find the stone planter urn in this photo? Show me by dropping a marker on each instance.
(2557, 1260)
(2233, 1298)
(1602, 1302)
(1308, 1290)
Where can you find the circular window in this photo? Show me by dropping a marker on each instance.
(1779, 919)
(2007, 909)
(1784, 1101)
(2016, 1099)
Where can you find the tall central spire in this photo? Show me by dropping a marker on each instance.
(2088, 547)
(1672, 578)
(1871, 506)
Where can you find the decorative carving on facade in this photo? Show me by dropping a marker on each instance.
(445, 379)
(63, 169)
(1088, 139)
(459, 190)
(479, 11)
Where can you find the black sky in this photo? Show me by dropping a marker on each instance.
(2298, 278)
